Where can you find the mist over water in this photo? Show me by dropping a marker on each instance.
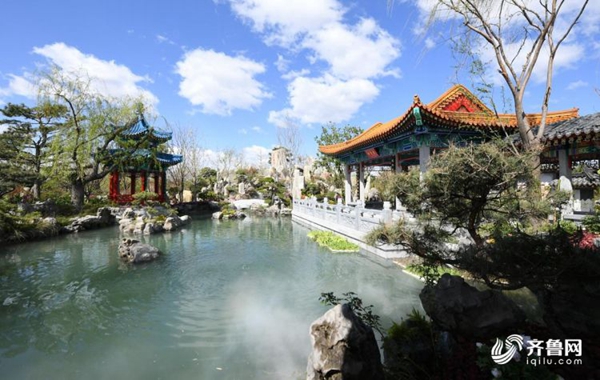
(228, 300)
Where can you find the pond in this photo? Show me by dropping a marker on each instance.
(227, 300)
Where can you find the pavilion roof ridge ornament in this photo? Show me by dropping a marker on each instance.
(416, 99)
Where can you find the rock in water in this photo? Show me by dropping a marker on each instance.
(343, 348)
(460, 308)
(132, 251)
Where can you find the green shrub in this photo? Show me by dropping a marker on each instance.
(144, 197)
(569, 226)
(332, 241)
(411, 349)
(592, 223)
(431, 273)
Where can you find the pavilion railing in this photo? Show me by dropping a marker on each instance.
(355, 217)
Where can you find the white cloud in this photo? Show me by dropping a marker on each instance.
(581, 38)
(567, 58)
(319, 100)
(219, 83)
(160, 38)
(429, 43)
(107, 77)
(256, 155)
(257, 129)
(577, 84)
(243, 131)
(290, 75)
(354, 53)
(19, 86)
(284, 22)
(363, 50)
(282, 64)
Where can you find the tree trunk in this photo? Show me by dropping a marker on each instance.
(36, 189)
(77, 194)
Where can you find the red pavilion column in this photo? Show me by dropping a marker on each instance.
(114, 185)
(156, 187)
(144, 180)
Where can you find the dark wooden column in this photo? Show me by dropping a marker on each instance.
(132, 183)
(163, 184)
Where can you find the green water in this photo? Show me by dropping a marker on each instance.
(228, 300)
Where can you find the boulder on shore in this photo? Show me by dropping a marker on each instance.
(132, 251)
(459, 308)
(103, 218)
(343, 348)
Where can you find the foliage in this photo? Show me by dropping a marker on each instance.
(92, 205)
(332, 134)
(431, 273)
(469, 186)
(482, 186)
(592, 223)
(568, 226)
(364, 312)
(314, 189)
(81, 146)
(144, 197)
(17, 227)
(273, 191)
(24, 146)
(209, 196)
(332, 241)
(420, 360)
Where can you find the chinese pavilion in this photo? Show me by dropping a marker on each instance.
(456, 117)
(145, 163)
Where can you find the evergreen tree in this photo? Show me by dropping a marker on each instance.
(25, 145)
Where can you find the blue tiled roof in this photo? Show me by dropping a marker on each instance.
(166, 159)
(141, 127)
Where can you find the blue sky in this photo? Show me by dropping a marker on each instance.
(237, 70)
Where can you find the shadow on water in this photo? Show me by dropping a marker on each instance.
(227, 300)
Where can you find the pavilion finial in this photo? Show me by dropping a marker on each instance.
(416, 99)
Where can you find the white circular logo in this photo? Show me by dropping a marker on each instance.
(513, 343)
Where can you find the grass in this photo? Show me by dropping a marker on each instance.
(332, 241)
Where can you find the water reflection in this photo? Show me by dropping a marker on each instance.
(228, 300)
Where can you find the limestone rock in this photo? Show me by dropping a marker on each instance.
(103, 218)
(138, 227)
(172, 223)
(217, 215)
(132, 251)
(460, 308)
(185, 219)
(343, 348)
(152, 228)
(128, 214)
